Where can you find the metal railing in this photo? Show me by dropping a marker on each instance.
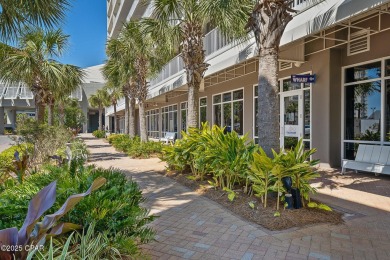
(173, 66)
(213, 41)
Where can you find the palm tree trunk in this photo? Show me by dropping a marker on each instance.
(50, 114)
(268, 101)
(40, 113)
(115, 120)
(100, 118)
(142, 121)
(132, 117)
(126, 114)
(193, 57)
(61, 115)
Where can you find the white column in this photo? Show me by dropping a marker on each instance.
(2, 120)
(11, 117)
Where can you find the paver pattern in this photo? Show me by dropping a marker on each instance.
(193, 227)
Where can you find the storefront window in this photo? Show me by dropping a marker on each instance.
(183, 115)
(202, 110)
(363, 72)
(288, 85)
(152, 123)
(228, 111)
(169, 119)
(363, 111)
(306, 114)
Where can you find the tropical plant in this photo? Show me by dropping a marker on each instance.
(89, 244)
(100, 100)
(32, 62)
(70, 114)
(115, 207)
(99, 133)
(15, 15)
(267, 173)
(183, 23)
(34, 232)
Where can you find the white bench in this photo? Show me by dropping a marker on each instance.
(169, 137)
(370, 158)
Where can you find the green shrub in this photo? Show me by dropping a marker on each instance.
(7, 156)
(226, 157)
(47, 139)
(99, 133)
(133, 146)
(115, 207)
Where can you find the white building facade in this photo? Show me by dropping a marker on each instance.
(18, 99)
(343, 44)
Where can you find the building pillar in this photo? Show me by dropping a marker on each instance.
(2, 123)
(107, 124)
(11, 117)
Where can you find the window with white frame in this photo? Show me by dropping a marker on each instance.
(228, 110)
(366, 105)
(152, 117)
(169, 119)
(183, 115)
(202, 110)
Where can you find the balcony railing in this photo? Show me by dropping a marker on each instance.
(174, 66)
(213, 41)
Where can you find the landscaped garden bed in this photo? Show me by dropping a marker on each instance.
(289, 218)
(238, 174)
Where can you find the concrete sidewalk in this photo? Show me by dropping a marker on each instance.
(193, 227)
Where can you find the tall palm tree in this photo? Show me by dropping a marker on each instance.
(32, 62)
(69, 80)
(15, 15)
(183, 24)
(267, 20)
(100, 100)
(114, 94)
(119, 67)
(146, 59)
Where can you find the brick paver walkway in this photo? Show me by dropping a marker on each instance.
(193, 227)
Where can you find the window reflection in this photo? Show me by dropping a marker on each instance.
(363, 72)
(363, 111)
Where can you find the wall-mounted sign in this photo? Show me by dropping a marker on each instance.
(303, 78)
(291, 130)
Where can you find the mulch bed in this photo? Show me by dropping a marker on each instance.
(259, 215)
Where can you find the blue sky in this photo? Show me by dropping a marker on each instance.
(86, 23)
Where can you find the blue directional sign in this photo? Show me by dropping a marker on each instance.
(303, 78)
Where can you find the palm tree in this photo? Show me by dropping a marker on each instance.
(69, 80)
(119, 67)
(32, 62)
(15, 15)
(183, 24)
(146, 59)
(100, 100)
(114, 94)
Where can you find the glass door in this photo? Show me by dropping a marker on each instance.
(291, 118)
